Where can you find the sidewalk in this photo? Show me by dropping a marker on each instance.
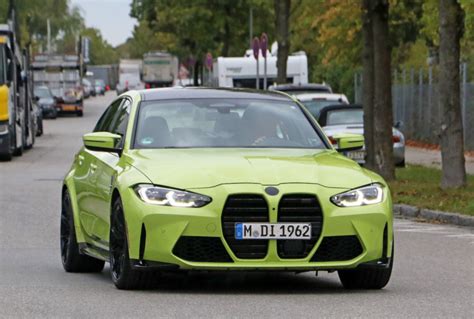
(432, 158)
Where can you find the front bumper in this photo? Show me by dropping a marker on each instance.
(70, 107)
(154, 232)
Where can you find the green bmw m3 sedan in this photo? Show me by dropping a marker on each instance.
(218, 179)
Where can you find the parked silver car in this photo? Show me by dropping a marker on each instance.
(337, 119)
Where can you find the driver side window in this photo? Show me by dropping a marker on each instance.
(106, 120)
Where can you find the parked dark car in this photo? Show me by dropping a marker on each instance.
(46, 102)
(88, 88)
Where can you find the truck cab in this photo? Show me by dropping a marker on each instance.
(16, 131)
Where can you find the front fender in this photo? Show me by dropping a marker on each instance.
(68, 185)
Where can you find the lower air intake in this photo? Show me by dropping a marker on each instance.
(201, 249)
(338, 248)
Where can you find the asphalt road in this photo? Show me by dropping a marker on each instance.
(433, 275)
(432, 158)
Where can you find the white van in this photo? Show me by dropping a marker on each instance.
(241, 71)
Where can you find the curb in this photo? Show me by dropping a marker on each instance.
(433, 215)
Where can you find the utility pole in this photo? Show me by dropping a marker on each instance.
(49, 35)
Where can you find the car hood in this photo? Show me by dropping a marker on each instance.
(209, 167)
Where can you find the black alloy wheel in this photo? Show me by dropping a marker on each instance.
(72, 259)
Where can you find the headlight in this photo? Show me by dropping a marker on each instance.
(170, 197)
(367, 195)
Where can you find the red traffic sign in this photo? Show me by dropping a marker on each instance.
(264, 44)
(256, 47)
(208, 61)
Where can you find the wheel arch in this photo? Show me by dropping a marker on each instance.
(68, 186)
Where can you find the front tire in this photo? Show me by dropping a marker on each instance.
(123, 276)
(72, 259)
(370, 278)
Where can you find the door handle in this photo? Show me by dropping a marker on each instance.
(93, 168)
(80, 160)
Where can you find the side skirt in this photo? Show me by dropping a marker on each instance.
(94, 251)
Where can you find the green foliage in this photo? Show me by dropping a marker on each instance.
(66, 24)
(100, 51)
(193, 28)
(419, 186)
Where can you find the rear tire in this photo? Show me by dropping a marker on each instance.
(72, 259)
(7, 157)
(123, 276)
(371, 278)
(18, 151)
(79, 113)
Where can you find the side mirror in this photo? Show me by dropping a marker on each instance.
(398, 125)
(37, 98)
(102, 142)
(349, 142)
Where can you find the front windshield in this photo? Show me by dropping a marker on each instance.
(316, 105)
(42, 93)
(341, 117)
(224, 123)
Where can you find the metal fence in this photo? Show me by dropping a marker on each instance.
(415, 104)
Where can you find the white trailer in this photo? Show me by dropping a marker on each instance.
(129, 75)
(160, 69)
(241, 71)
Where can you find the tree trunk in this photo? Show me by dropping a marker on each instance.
(451, 20)
(383, 116)
(197, 67)
(282, 28)
(368, 83)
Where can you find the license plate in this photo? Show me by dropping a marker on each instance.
(68, 107)
(356, 156)
(272, 231)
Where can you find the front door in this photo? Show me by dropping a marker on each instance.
(87, 176)
(107, 170)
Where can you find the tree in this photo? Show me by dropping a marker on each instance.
(451, 19)
(368, 83)
(282, 30)
(378, 87)
(190, 29)
(101, 52)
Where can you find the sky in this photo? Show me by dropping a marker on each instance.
(111, 17)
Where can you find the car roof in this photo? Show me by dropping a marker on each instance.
(325, 110)
(320, 95)
(209, 93)
(302, 87)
